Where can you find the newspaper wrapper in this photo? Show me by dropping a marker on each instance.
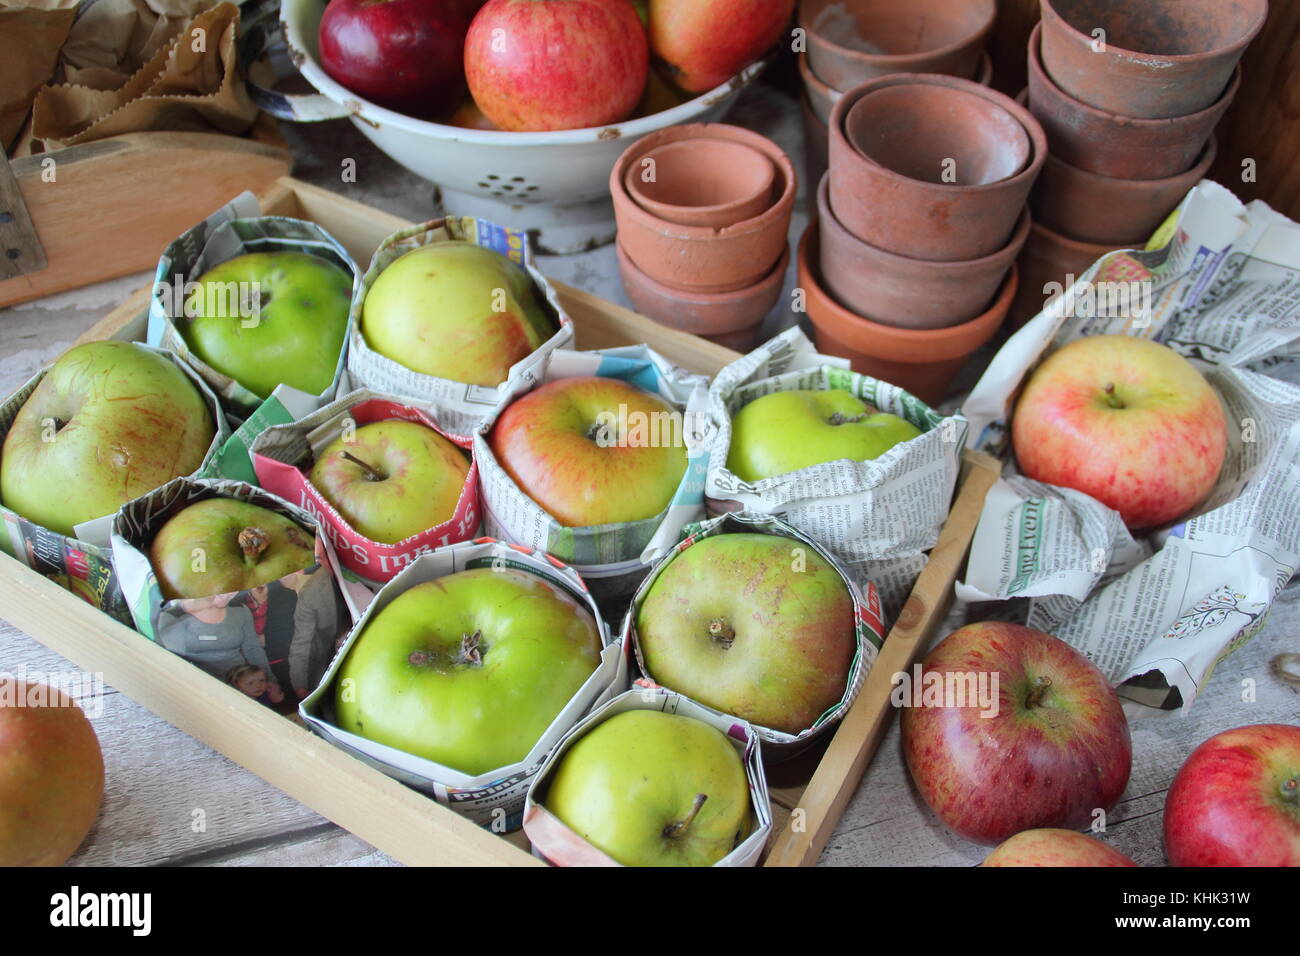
(284, 454)
(234, 230)
(869, 623)
(558, 845)
(611, 558)
(464, 406)
(494, 799)
(83, 563)
(288, 629)
(1157, 613)
(879, 517)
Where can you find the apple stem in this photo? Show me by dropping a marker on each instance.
(1111, 398)
(839, 418)
(253, 541)
(678, 828)
(720, 632)
(371, 473)
(471, 651)
(1038, 691)
(1291, 790)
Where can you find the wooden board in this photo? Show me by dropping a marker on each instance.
(108, 208)
(809, 794)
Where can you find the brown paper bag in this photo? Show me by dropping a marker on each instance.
(31, 34)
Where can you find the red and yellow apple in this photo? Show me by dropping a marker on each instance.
(702, 45)
(1049, 847)
(1126, 420)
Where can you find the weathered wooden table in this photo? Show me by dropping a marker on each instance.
(171, 800)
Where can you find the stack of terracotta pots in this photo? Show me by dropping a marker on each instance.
(703, 212)
(1129, 94)
(849, 42)
(910, 264)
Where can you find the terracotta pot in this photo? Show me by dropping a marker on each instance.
(1118, 146)
(852, 41)
(702, 182)
(1048, 257)
(925, 220)
(697, 258)
(923, 361)
(1161, 58)
(822, 97)
(1101, 209)
(902, 292)
(816, 143)
(728, 318)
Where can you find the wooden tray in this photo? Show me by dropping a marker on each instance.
(809, 793)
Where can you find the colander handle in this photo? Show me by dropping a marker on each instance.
(260, 35)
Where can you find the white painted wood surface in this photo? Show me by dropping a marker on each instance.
(172, 800)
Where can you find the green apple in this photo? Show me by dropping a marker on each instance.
(291, 333)
(755, 625)
(653, 789)
(219, 545)
(455, 310)
(108, 422)
(392, 479)
(468, 670)
(591, 450)
(785, 431)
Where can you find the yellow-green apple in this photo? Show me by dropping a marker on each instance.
(1050, 847)
(1126, 420)
(591, 450)
(219, 545)
(468, 670)
(288, 329)
(405, 55)
(556, 64)
(703, 45)
(392, 479)
(51, 775)
(455, 310)
(1236, 801)
(755, 625)
(1047, 748)
(653, 789)
(108, 422)
(784, 431)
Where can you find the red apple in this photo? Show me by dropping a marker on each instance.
(1236, 801)
(1054, 848)
(1126, 420)
(1051, 747)
(51, 775)
(705, 44)
(404, 55)
(556, 64)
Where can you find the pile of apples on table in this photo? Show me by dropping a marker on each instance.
(542, 64)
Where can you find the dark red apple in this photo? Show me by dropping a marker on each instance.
(1236, 801)
(556, 64)
(404, 55)
(1046, 747)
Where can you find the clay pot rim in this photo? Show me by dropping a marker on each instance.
(902, 344)
(1036, 69)
(1033, 129)
(910, 263)
(1197, 171)
(1096, 249)
(669, 134)
(811, 81)
(650, 204)
(774, 275)
(1154, 60)
(898, 59)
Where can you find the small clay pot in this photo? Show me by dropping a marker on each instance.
(1160, 58)
(922, 361)
(816, 137)
(822, 97)
(911, 217)
(698, 258)
(702, 182)
(728, 318)
(1119, 146)
(1104, 210)
(1050, 257)
(852, 41)
(902, 292)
